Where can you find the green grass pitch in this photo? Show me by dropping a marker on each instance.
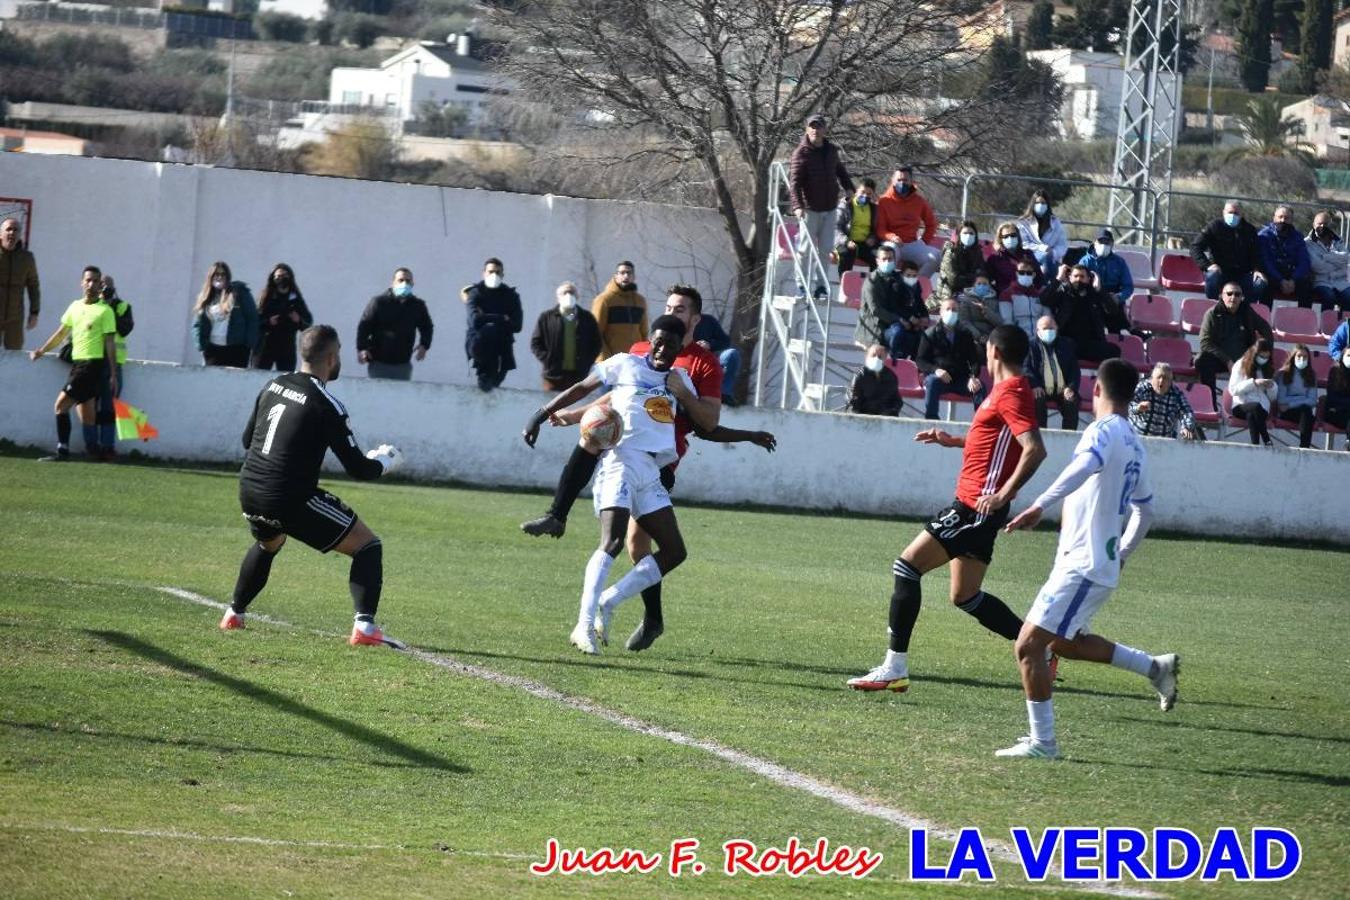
(145, 753)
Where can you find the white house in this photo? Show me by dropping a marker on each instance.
(444, 74)
(1092, 90)
(305, 9)
(1326, 125)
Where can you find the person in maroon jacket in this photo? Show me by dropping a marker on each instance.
(816, 173)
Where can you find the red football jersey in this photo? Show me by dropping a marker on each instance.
(706, 373)
(991, 452)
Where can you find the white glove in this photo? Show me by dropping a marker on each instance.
(388, 456)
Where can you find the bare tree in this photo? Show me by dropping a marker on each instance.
(696, 98)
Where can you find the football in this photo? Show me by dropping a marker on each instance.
(602, 427)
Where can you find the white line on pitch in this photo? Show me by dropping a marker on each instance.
(772, 771)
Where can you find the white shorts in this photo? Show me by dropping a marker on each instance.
(631, 480)
(1067, 603)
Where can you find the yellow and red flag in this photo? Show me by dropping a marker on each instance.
(132, 423)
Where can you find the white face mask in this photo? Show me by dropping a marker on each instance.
(967, 239)
(910, 280)
(1345, 360)
(1262, 359)
(1300, 362)
(950, 318)
(567, 302)
(873, 364)
(1047, 335)
(1040, 209)
(492, 280)
(218, 283)
(1026, 280)
(1101, 249)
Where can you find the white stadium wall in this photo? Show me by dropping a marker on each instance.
(157, 227)
(824, 461)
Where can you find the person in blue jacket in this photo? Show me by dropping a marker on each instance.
(1112, 273)
(1284, 258)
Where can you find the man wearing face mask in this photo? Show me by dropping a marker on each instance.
(1111, 273)
(388, 327)
(620, 311)
(1227, 250)
(18, 272)
(816, 172)
(1330, 261)
(901, 212)
(854, 242)
(495, 318)
(1284, 258)
(1081, 311)
(1052, 368)
(566, 340)
(875, 390)
(884, 296)
(949, 360)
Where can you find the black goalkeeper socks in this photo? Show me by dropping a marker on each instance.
(367, 578)
(576, 474)
(651, 604)
(253, 572)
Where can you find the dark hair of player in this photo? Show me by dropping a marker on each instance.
(316, 341)
(625, 262)
(95, 269)
(494, 260)
(669, 324)
(1011, 343)
(689, 293)
(1118, 379)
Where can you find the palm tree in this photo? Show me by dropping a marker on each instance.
(1270, 134)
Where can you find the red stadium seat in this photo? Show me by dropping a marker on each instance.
(787, 235)
(1085, 383)
(1263, 311)
(1141, 267)
(1330, 320)
(1202, 403)
(1180, 273)
(1323, 425)
(1175, 351)
(1153, 312)
(1294, 325)
(850, 289)
(1193, 311)
(910, 382)
(1131, 349)
(987, 248)
(1278, 356)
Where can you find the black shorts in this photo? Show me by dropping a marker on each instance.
(86, 380)
(963, 532)
(320, 520)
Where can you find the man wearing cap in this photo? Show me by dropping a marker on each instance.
(816, 173)
(1110, 272)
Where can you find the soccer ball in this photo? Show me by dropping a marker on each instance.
(602, 427)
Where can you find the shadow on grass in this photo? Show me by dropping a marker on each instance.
(1258, 732)
(373, 739)
(192, 744)
(1288, 775)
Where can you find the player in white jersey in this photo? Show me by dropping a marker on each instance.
(644, 391)
(1106, 481)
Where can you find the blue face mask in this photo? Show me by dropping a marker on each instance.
(862, 200)
(886, 267)
(1011, 242)
(967, 239)
(1047, 335)
(403, 290)
(982, 290)
(1040, 209)
(1231, 219)
(1026, 280)
(904, 189)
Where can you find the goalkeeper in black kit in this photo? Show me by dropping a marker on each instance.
(295, 422)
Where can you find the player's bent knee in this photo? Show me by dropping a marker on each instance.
(358, 537)
(273, 545)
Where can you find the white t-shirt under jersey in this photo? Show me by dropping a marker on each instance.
(640, 396)
(1089, 531)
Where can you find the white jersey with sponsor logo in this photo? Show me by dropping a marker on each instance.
(640, 396)
(1089, 532)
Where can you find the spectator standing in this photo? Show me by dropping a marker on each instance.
(815, 174)
(1042, 233)
(901, 212)
(962, 260)
(620, 311)
(495, 318)
(875, 390)
(1159, 407)
(92, 328)
(1052, 368)
(566, 340)
(226, 325)
(1080, 309)
(282, 315)
(1109, 271)
(391, 322)
(1337, 409)
(1008, 254)
(106, 412)
(1252, 384)
(1227, 250)
(1227, 331)
(1296, 392)
(979, 308)
(854, 242)
(1024, 297)
(1330, 260)
(949, 360)
(711, 336)
(18, 273)
(1284, 258)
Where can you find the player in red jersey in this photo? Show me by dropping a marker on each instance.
(1002, 450)
(686, 304)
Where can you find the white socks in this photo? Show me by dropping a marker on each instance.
(642, 576)
(1041, 713)
(597, 571)
(1132, 660)
(896, 662)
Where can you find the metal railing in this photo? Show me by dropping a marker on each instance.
(77, 14)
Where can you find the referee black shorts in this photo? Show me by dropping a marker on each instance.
(963, 532)
(320, 520)
(86, 380)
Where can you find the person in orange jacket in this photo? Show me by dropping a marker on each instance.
(900, 213)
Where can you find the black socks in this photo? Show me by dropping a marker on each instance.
(993, 614)
(651, 604)
(576, 474)
(905, 601)
(63, 429)
(366, 579)
(253, 572)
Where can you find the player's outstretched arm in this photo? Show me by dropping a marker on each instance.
(723, 435)
(940, 437)
(562, 401)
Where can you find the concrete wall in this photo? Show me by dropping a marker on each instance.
(824, 461)
(157, 227)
